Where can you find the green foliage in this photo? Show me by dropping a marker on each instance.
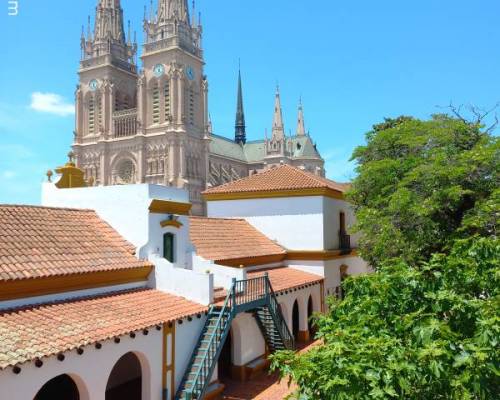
(431, 332)
(416, 182)
(426, 324)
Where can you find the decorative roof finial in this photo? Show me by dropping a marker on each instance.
(49, 175)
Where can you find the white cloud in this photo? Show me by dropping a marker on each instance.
(51, 103)
(8, 174)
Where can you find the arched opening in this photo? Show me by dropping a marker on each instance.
(62, 387)
(225, 358)
(343, 277)
(310, 323)
(295, 319)
(125, 380)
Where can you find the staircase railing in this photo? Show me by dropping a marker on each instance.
(279, 320)
(244, 295)
(207, 365)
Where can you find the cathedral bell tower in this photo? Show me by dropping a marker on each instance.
(173, 93)
(108, 81)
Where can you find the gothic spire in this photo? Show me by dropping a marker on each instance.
(109, 34)
(173, 9)
(278, 126)
(172, 26)
(240, 127)
(301, 128)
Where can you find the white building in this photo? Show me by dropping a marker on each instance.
(117, 289)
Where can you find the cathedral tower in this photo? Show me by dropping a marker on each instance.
(107, 84)
(173, 94)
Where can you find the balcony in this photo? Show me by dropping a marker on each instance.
(344, 243)
(125, 123)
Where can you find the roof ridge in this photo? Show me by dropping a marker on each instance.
(5, 205)
(217, 218)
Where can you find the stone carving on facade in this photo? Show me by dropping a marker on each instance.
(153, 125)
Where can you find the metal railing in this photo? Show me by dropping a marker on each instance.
(243, 295)
(344, 242)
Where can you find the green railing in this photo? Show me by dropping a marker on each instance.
(244, 295)
(279, 320)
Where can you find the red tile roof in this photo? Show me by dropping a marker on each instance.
(285, 278)
(281, 278)
(44, 330)
(39, 242)
(220, 239)
(282, 178)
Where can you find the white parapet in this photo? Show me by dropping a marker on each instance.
(223, 276)
(192, 285)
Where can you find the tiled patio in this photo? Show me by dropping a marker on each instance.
(265, 387)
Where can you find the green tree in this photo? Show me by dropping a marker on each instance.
(416, 182)
(430, 332)
(426, 325)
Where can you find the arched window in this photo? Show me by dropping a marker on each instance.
(156, 105)
(91, 116)
(310, 311)
(166, 96)
(168, 247)
(125, 380)
(61, 387)
(191, 106)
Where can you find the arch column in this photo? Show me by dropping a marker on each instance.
(303, 334)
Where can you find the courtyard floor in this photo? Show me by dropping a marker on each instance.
(265, 387)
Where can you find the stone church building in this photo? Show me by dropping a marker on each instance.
(152, 125)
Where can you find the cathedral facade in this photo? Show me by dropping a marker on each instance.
(151, 125)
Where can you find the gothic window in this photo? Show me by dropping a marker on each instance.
(91, 116)
(166, 95)
(126, 103)
(156, 105)
(191, 106)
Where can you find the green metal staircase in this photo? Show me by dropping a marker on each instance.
(251, 295)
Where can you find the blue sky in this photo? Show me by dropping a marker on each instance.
(353, 62)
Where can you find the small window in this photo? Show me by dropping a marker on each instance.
(168, 247)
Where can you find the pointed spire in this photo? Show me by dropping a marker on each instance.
(172, 21)
(109, 33)
(278, 126)
(301, 128)
(240, 127)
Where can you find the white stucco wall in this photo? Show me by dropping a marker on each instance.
(302, 297)
(192, 285)
(91, 370)
(355, 266)
(247, 340)
(295, 222)
(223, 276)
(332, 209)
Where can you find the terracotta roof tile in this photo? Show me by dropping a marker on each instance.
(284, 177)
(282, 278)
(47, 329)
(38, 242)
(219, 239)
(285, 278)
